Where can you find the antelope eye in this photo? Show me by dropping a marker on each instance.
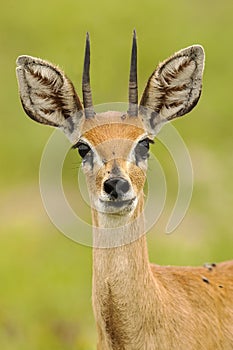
(142, 149)
(83, 149)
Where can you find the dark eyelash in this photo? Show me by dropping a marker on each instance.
(83, 149)
(142, 149)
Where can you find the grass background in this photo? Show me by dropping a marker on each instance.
(45, 278)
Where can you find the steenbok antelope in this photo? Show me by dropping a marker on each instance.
(136, 305)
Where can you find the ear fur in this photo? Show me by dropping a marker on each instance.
(173, 89)
(47, 95)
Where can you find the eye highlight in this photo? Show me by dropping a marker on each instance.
(142, 149)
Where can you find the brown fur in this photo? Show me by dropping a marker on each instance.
(137, 306)
(143, 306)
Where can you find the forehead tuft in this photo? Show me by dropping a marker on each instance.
(112, 125)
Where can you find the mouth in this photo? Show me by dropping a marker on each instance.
(114, 206)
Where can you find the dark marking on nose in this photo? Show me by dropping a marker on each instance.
(220, 286)
(116, 187)
(116, 170)
(204, 279)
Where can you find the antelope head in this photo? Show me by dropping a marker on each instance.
(114, 146)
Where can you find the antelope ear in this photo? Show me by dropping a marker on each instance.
(48, 96)
(173, 89)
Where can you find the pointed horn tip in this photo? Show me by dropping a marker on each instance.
(134, 33)
(86, 88)
(87, 47)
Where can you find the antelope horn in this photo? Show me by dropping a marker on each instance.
(133, 84)
(86, 88)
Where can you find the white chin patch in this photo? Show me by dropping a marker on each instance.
(118, 207)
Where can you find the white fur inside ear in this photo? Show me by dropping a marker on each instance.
(47, 95)
(175, 86)
(179, 87)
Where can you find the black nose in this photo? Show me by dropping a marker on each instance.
(116, 187)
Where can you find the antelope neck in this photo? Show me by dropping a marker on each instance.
(124, 257)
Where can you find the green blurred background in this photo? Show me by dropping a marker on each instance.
(45, 278)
